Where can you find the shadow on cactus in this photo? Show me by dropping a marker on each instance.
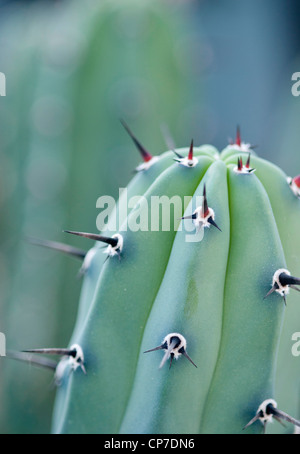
(212, 284)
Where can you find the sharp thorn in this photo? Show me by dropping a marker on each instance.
(177, 154)
(187, 357)
(193, 217)
(205, 209)
(273, 289)
(111, 241)
(191, 152)
(167, 354)
(248, 162)
(163, 361)
(265, 427)
(256, 418)
(286, 279)
(240, 164)
(281, 415)
(145, 154)
(154, 349)
(238, 140)
(212, 222)
(279, 420)
(66, 249)
(83, 369)
(284, 299)
(52, 351)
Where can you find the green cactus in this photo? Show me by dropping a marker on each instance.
(218, 301)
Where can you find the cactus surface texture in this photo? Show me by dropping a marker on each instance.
(216, 303)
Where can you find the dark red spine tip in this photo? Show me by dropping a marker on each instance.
(144, 153)
(248, 162)
(296, 180)
(238, 140)
(191, 152)
(205, 208)
(240, 164)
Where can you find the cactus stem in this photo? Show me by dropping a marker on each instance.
(65, 248)
(282, 282)
(295, 185)
(148, 159)
(190, 160)
(203, 216)
(115, 243)
(175, 346)
(267, 411)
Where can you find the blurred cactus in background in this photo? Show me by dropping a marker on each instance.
(73, 70)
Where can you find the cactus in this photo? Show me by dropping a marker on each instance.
(218, 301)
(66, 93)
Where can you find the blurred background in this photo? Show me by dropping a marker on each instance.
(73, 69)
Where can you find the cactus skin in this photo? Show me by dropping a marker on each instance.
(287, 214)
(212, 292)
